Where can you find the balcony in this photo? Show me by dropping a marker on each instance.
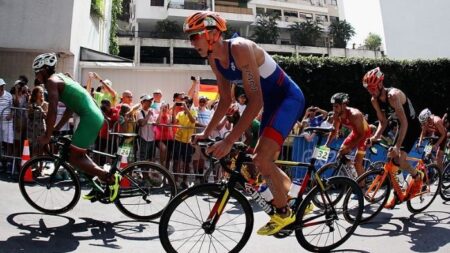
(189, 5)
(233, 9)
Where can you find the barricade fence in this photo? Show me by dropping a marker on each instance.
(166, 144)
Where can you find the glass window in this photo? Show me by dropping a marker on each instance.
(273, 11)
(259, 10)
(156, 2)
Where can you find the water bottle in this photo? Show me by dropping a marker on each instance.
(295, 188)
(265, 192)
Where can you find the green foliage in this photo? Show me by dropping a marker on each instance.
(116, 11)
(426, 83)
(97, 8)
(267, 31)
(341, 32)
(305, 33)
(168, 29)
(373, 41)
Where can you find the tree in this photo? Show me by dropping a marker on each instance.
(267, 30)
(305, 33)
(341, 32)
(373, 41)
(168, 29)
(116, 11)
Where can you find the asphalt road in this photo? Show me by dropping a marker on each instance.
(94, 227)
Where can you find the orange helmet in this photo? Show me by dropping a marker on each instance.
(202, 20)
(373, 79)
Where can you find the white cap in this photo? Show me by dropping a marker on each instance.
(146, 97)
(108, 82)
(2, 82)
(17, 82)
(157, 91)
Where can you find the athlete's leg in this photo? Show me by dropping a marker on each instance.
(279, 183)
(79, 159)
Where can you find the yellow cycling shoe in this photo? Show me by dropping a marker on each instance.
(114, 188)
(309, 209)
(276, 223)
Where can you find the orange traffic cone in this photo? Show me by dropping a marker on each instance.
(124, 183)
(25, 157)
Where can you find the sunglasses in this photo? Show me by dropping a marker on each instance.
(195, 36)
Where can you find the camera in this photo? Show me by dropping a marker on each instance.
(193, 78)
(178, 104)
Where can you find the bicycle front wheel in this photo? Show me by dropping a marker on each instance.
(326, 227)
(430, 189)
(49, 189)
(145, 190)
(185, 225)
(445, 185)
(375, 191)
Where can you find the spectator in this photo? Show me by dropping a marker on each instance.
(182, 147)
(106, 90)
(37, 112)
(20, 102)
(164, 135)
(111, 115)
(328, 122)
(65, 128)
(203, 118)
(157, 100)
(223, 127)
(241, 103)
(7, 134)
(145, 119)
(314, 116)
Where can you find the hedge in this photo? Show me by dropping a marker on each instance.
(426, 83)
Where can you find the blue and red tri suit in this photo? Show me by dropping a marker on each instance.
(284, 102)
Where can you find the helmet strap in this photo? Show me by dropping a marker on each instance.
(211, 40)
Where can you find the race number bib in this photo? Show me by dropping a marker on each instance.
(321, 153)
(428, 149)
(124, 151)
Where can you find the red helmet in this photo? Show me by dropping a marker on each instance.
(203, 20)
(373, 79)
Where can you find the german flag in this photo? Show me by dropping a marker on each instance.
(209, 89)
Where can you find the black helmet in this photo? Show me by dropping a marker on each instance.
(340, 98)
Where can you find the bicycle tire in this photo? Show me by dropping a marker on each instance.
(152, 177)
(66, 180)
(308, 212)
(332, 170)
(432, 184)
(445, 185)
(207, 194)
(374, 204)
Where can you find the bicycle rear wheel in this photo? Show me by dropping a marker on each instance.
(184, 225)
(326, 228)
(445, 185)
(430, 189)
(145, 190)
(49, 192)
(376, 192)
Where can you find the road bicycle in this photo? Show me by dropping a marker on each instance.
(445, 186)
(379, 182)
(218, 218)
(51, 185)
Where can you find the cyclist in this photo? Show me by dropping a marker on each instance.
(386, 102)
(265, 83)
(353, 119)
(433, 125)
(77, 99)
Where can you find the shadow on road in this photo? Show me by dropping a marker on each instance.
(422, 228)
(56, 233)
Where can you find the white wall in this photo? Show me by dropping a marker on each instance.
(416, 29)
(37, 25)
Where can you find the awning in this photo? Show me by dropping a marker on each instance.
(89, 55)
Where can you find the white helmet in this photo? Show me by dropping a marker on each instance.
(47, 59)
(424, 115)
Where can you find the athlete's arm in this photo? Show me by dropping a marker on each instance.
(394, 101)
(224, 102)
(53, 98)
(442, 133)
(335, 132)
(381, 118)
(245, 59)
(422, 134)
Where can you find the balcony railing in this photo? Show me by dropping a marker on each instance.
(189, 5)
(232, 9)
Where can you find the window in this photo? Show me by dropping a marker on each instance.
(305, 16)
(273, 11)
(290, 16)
(259, 10)
(334, 19)
(155, 55)
(321, 18)
(187, 56)
(156, 2)
(126, 52)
